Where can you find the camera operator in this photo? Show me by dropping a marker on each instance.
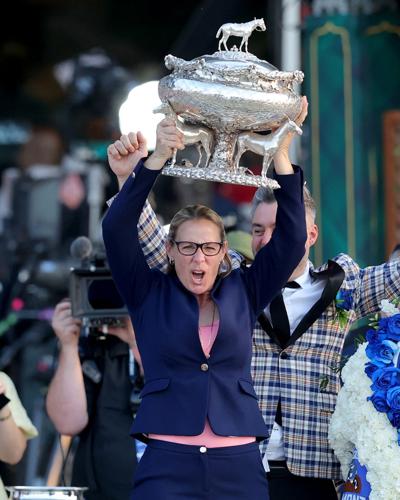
(90, 395)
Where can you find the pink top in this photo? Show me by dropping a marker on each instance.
(207, 438)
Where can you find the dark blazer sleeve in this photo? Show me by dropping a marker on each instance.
(128, 266)
(275, 262)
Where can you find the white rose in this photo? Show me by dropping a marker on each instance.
(388, 308)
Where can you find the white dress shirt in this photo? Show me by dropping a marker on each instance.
(298, 301)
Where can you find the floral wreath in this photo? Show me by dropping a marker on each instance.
(383, 351)
(354, 423)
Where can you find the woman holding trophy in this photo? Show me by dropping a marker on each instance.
(199, 412)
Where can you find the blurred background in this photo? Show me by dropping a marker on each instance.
(74, 74)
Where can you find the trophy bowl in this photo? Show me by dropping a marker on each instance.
(221, 101)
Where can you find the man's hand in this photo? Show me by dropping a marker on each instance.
(66, 327)
(124, 333)
(124, 155)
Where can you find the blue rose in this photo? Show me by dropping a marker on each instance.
(382, 353)
(370, 368)
(383, 322)
(343, 300)
(378, 399)
(374, 336)
(384, 378)
(394, 417)
(393, 398)
(393, 327)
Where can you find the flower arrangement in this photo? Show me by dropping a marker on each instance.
(383, 351)
(369, 422)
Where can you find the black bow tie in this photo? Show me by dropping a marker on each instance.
(292, 284)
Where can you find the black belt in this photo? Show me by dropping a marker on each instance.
(278, 470)
(277, 464)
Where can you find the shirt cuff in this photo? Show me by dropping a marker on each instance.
(109, 201)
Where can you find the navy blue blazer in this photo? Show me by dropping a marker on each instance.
(183, 387)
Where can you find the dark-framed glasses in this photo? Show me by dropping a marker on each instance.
(209, 248)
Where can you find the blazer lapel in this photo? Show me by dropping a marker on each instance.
(267, 327)
(335, 275)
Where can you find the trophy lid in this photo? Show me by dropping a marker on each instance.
(235, 58)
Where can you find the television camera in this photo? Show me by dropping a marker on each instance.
(94, 296)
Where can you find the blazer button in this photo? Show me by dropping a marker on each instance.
(284, 355)
(204, 367)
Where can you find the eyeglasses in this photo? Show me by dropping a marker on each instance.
(209, 248)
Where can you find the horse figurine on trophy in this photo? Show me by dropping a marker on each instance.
(197, 135)
(264, 145)
(243, 30)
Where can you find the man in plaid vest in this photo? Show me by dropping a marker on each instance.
(296, 359)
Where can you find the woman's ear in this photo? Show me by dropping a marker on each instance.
(168, 248)
(224, 249)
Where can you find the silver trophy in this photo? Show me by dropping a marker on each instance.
(221, 103)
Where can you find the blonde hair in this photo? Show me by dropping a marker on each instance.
(196, 212)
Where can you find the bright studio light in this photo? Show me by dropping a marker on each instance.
(136, 113)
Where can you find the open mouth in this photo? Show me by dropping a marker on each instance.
(198, 276)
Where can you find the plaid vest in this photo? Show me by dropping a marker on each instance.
(305, 373)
